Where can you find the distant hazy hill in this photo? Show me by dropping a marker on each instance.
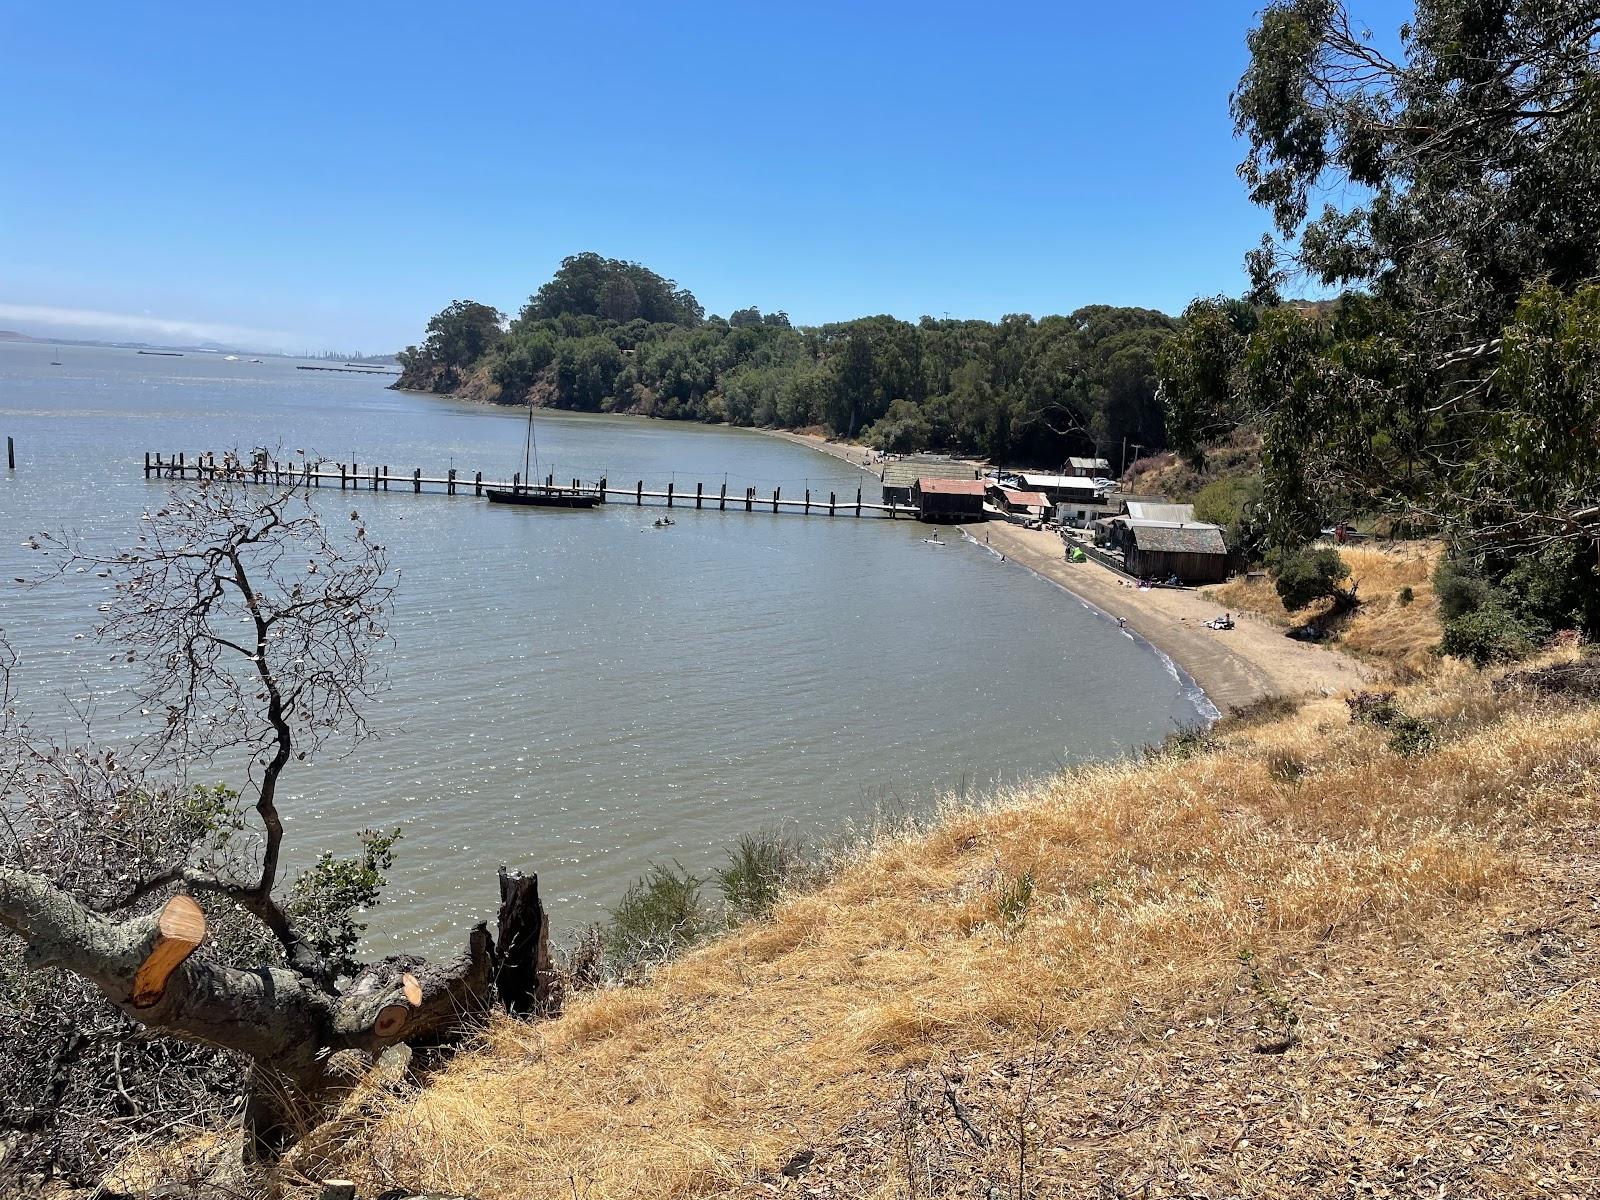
(11, 335)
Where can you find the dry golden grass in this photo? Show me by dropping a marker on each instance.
(1384, 630)
(1296, 964)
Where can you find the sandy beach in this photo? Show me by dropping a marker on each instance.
(848, 452)
(1233, 666)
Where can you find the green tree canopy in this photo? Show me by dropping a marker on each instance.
(463, 333)
(587, 285)
(612, 336)
(1453, 382)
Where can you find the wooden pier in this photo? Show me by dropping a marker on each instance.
(354, 477)
(349, 370)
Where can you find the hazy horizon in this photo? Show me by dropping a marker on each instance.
(286, 187)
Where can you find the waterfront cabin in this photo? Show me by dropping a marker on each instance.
(1082, 514)
(1088, 468)
(1064, 489)
(1159, 551)
(899, 476)
(948, 500)
(1161, 510)
(1028, 506)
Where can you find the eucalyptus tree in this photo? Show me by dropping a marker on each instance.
(1453, 382)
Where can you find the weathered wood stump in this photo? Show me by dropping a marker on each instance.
(524, 980)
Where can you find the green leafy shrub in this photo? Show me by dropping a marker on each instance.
(1460, 587)
(1372, 708)
(660, 915)
(1183, 743)
(1307, 576)
(1234, 502)
(759, 865)
(1488, 635)
(329, 898)
(1258, 712)
(1409, 735)
(1277, 1020)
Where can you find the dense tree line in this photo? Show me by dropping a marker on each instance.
(1454, 387)
(611, 336)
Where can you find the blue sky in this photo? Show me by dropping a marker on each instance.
(307, 176)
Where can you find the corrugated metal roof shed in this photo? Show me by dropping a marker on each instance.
(904, 472)
(951, 487)
(1059, 483)
(1173, 539)
(1161, 510)
(1036, 499)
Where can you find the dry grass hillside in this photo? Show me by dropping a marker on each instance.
(1166, 474)
(1304, 956)
(1387, 628)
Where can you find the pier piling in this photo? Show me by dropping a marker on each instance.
(11, 457)
(309, 473)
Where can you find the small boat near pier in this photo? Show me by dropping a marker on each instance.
(543, 495)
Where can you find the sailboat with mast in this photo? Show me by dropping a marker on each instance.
(540, 495)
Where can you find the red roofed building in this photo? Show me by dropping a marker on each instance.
(1017, 503)
(948, 499)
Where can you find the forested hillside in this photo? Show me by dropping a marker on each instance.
(611, 336)
(1454, 387)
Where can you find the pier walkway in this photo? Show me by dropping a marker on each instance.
(353, 477)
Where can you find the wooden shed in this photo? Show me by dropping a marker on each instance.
(1087, 468)
(1194, 553)
(948, 499)
(1019, 504)
(899, 476)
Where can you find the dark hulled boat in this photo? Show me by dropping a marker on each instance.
(543, 495)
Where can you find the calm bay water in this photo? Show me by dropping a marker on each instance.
(579, 693)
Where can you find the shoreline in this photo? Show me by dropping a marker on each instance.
(839, 450)
(1232, 668)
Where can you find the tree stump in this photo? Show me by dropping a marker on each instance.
(524, 979)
